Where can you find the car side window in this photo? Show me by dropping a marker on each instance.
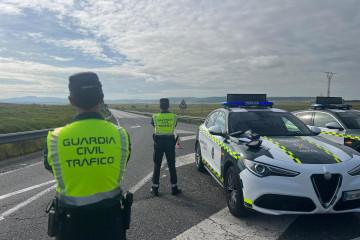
(220, 121)
(305, 117)
(211, 120)
(321, 119)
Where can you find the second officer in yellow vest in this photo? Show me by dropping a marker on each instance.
(164, 142)
(88, 159)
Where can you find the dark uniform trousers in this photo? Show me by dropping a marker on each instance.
(99, 224)
(164, 144)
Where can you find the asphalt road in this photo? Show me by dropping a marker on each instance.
(198, 213)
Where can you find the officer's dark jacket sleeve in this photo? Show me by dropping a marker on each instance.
(46, 163)
(129, 148)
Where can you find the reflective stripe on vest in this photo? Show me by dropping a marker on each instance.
(88, 159)
(164, 123)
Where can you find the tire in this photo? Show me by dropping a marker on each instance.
(234, 194)
(198, 159)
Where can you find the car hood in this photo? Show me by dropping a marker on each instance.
(304, 149)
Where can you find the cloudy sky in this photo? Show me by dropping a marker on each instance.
(164, 48)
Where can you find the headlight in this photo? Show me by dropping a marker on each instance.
(355, 171)
(263, 170)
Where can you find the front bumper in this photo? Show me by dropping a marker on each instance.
(296, 195)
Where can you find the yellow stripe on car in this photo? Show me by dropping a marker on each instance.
(213, 171)
(248, 203)
(222, 145)
(291, 155)
(317, 145)
(340, 135)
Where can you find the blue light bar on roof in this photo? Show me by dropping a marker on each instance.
(336, 106)
(248, 103)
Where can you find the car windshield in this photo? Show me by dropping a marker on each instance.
(350, 119)
(268, 123)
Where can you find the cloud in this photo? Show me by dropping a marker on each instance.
(266, 61)
(203, 48)
(9, 9)
(62, 59)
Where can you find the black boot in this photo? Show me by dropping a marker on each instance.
(175, 191)
(154, 191)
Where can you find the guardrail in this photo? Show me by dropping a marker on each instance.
(22, 136)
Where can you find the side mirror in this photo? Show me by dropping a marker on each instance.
(215, 130)
(334, 125)
(315, 130)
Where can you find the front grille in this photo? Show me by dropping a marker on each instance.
(346, 205)
(326, 188)
(285, 203)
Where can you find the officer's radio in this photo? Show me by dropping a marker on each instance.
(127, 201)
(54, 217)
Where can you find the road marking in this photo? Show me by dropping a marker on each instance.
(187, 138)
(11, 171)
(182, 131)
(128, 115)
(180, 161)
(23, 204)
(26, 189)
(116, 118)
(223, 225)
(137, 126)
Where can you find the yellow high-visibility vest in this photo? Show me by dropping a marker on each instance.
(164, 123)
(88, 159)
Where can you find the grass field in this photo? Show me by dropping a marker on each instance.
(25, 117)
(28, 117)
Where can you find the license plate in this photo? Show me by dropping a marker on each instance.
(352, 195)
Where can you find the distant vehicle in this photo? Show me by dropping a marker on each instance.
(336, 120)
(269, 161)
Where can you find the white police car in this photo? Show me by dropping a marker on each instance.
(337, 121)
(269, 161)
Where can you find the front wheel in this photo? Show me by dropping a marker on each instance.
(234, 194)
(198, 159)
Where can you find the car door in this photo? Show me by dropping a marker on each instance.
(321, 119)
(215, 152)
(205, 137)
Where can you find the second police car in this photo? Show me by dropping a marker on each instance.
(336, 120)
(269, 161)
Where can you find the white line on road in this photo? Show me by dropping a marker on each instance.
(137, 126)
(116, 118)
(17, 207)
(182, 131)
(180, 161)
(187, 138)
(11, 171)
(223, 225)
(25, 189)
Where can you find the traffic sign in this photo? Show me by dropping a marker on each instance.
(183, 104)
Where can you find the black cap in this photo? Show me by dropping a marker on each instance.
(84, 81)
(164, 103)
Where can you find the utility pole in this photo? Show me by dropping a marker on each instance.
(329, 75)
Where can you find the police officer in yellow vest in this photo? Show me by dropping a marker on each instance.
(88, 159)
(164, 142)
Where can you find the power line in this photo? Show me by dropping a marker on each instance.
(329, 75)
